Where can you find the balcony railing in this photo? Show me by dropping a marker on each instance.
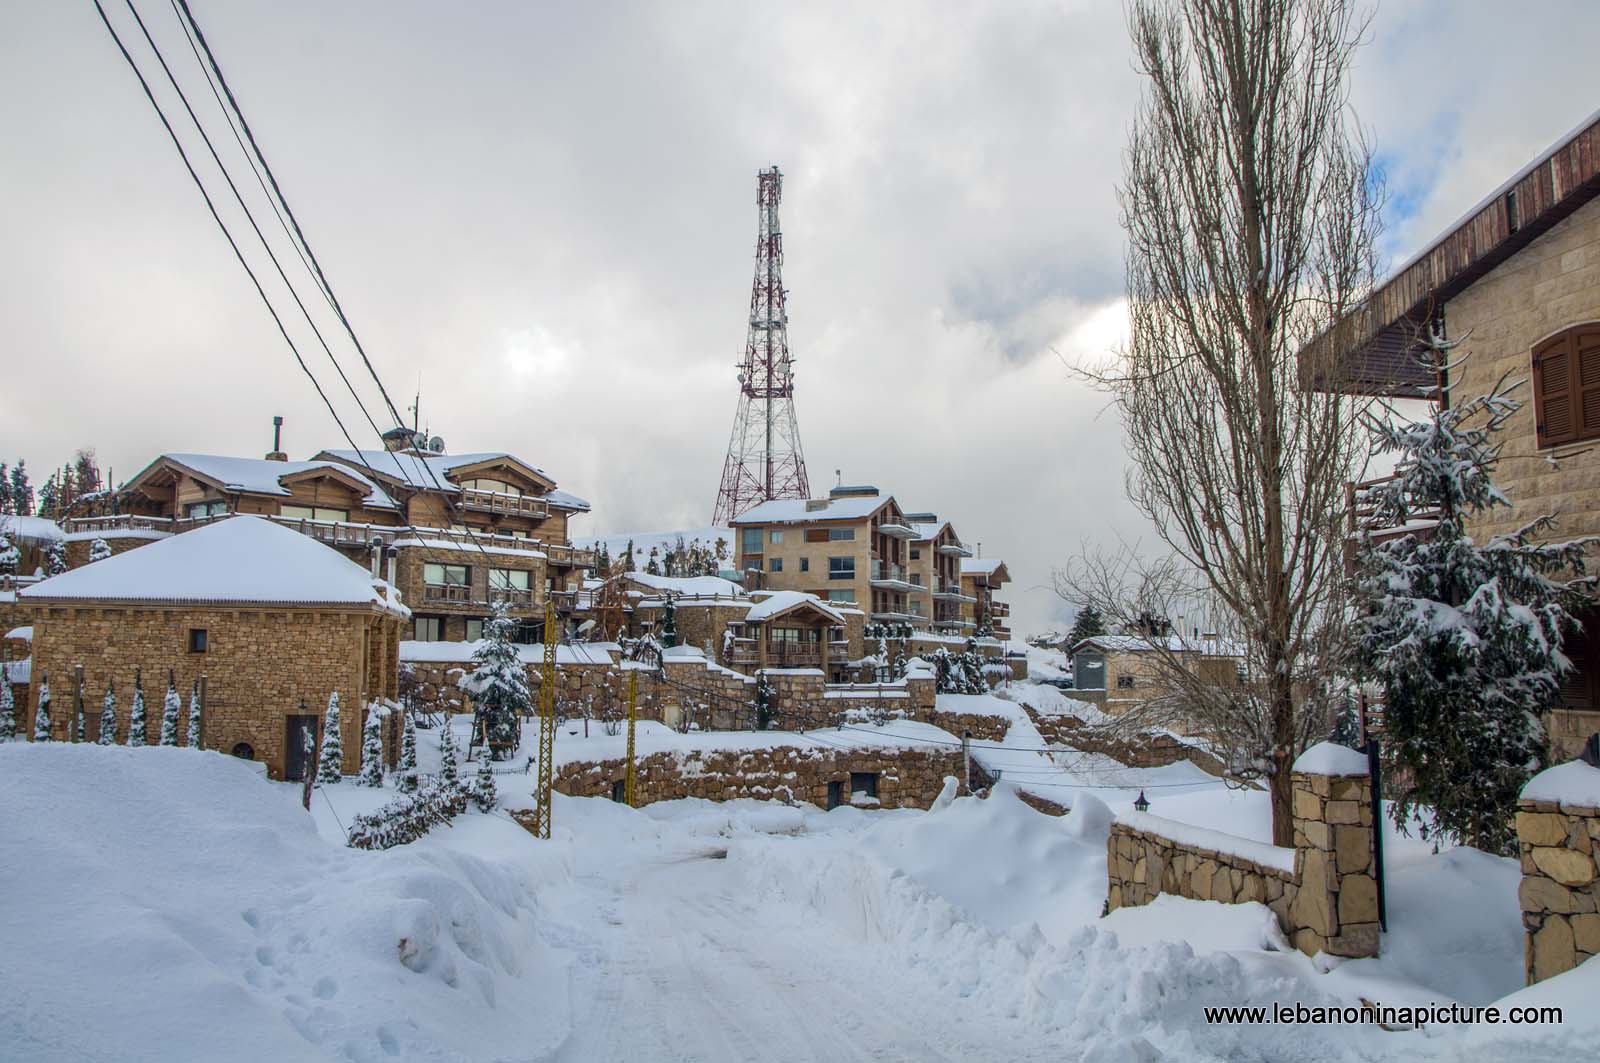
(999, 609)
(779, 654)
(895, 529)
(512, 596)
(951, 592)
(505, 504)
(446, 592)
(956, 549)
(893, 576)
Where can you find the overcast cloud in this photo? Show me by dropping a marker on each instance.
(548, 213)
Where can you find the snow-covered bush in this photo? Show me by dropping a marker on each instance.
(8, 709)
(408, 817)
(330, 761)
(195, 710)
(483, 790)
(55, 558)
(170, 707)
(99, 550)
(108, 717)
(372, 746)
(79, 731)
(498, 683)
(408, 755)
(764, 699)
(10, 557)
(137, 724)
(41, 719)
(1463, 637)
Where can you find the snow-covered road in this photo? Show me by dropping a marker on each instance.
(684, 967)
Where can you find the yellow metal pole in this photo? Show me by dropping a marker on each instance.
(630, 781)
(547, 720)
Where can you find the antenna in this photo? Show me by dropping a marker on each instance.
(764, 458)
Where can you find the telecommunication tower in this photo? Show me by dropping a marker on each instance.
(764, 457)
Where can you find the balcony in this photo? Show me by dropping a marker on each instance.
(951, 592)
(898, 615)
(895, 530)
(747, 652)
(446, 592)
(955, 549)
(998, 610)
(504, 504)
(891, 577)
(1363, 513)
(515, 597)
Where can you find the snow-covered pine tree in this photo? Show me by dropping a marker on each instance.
(653, 566)
(10, 557)
(138, 725)
(330, 761)
(108, 717)
(1089, 624)
(408, 755)
(41, 719)
(627, 558)
(484, 794)
(21, 490)
(602, 562)
(498, 684)
(1462, 636)
(971, 669)
(195, 712)
(372, 747)
(55, 558)
(669, 622)
(170, 708)
(449, 773)
(80, 731)
(764, 700)
(99, 550)
(8, 708)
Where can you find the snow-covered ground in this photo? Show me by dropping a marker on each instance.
(173, 905)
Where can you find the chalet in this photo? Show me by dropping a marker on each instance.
(1517, 282)
(1124, 672)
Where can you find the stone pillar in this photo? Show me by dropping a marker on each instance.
(1335, 909)
(1558, 838)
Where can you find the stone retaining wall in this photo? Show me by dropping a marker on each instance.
(1560, 892)
(983, 728)
(1328, 903)
(907, 778)
(1153, 750)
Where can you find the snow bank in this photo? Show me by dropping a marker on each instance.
(1327, 758)
(1573, 783)
(167, 904)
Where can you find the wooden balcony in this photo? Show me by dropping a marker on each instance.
(779, 654)
(504, 504)
(516, 597)
(446, 592)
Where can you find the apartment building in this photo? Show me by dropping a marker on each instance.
(1517, 282)
(457, 531)
(935, 563)
(980, 578)
(849, 549)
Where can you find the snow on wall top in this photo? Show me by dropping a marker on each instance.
(21, 633)
(1173, 644)
(800, 511)
(258, 476)
(690, 586)
(533, 653)
(32, 530)
(1203, 838)
(240, 559)
(1327, 758)
(782, 601)
(1573, 783)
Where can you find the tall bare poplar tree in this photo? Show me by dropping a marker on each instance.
(1251, 215)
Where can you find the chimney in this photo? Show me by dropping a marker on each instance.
(277, 441)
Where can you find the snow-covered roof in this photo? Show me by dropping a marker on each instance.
(468, 544)
(258, 476)
(980, 566)
(565, 500)
(689, 586)
(1210, 647)
(243, 559)
(32, 530)
(782, 601)
(803, 511)
(414, 470)
(928, 532)
(1328, 758)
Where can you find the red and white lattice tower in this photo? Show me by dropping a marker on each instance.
(764, 458)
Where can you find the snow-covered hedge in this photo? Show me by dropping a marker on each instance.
(408, 817)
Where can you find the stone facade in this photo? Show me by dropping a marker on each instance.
(1558, 843)
(1328, 903)
(1153, 749)
(261, 666)
(906, 778)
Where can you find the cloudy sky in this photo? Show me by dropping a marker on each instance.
(546, 214)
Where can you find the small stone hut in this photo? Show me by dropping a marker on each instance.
(271, 620)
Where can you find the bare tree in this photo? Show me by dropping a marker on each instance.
(1251, 213)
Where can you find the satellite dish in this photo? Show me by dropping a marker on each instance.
(741, 378)
(436, 444)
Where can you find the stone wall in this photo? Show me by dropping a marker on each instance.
(1558, 841)
(907, 778)
(261, 665)
(983, 728)
(1154, 749)
(1327, 903)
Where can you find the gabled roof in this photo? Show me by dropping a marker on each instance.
(804, 511)
(242, 560)
(1376, 344)
(258, 476)
(420, 471)
(778, 603)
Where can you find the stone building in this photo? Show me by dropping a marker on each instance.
(460, 530)
(270, 621)
(1126, 672)
(1517, 282)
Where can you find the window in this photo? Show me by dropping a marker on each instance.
(474, 630)
(775, 565)
(428, 628)
(1124, 682)
(1566, 386)
(775, 537)
(916, 555)
(499, 487)
(197, 640)
(863, 784)
(445, 575)
(805, 564)
(313, 513)
(841, 568)
(839, 535)
(201, 510)
(847, 596)
(750, 541)
(244, 751)
(509, 579)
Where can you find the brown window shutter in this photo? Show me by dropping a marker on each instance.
(1586, 381)
(1555, 411)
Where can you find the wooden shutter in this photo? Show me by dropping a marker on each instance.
(1586, 380)
(1554, 400)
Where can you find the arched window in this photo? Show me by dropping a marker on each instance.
(1566, 386)
(244, 752)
